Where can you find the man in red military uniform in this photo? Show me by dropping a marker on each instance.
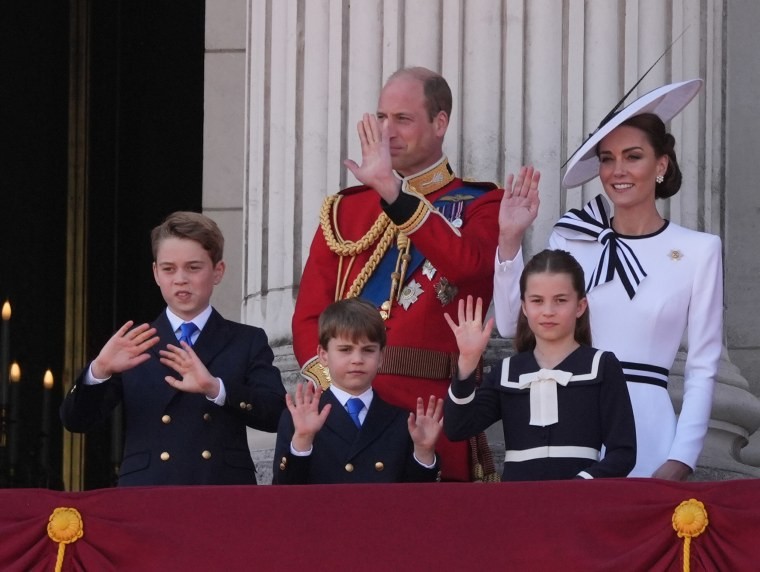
(413, 240)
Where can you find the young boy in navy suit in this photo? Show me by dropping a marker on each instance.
(191, 381)
(347, 434)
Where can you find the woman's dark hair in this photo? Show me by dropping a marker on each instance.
(663, 143)
(553, 262)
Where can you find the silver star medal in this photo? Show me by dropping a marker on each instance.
(428, 270)
(410, 294)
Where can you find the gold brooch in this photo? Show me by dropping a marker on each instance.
(675, 255)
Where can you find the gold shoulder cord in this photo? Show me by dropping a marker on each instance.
(382, 229)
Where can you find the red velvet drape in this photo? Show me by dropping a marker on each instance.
(615, 524)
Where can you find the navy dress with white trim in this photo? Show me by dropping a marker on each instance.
(555, 421)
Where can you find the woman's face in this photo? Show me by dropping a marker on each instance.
(628, 167)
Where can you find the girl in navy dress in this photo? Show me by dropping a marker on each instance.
(561, 401)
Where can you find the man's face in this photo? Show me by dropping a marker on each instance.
(416, 142)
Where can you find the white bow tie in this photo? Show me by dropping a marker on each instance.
(543, 394)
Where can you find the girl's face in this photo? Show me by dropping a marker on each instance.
(552, 306)
(628, 167)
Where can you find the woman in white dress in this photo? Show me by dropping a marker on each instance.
(649, 279)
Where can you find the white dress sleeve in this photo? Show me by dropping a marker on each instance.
(506, 293)
(704, 337)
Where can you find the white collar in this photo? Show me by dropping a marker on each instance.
(343, 396)
(199, 320)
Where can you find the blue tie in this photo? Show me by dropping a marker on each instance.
(187, 330)
(354, 406)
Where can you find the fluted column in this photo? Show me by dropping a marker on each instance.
(530, 79)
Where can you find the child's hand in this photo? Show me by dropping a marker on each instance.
(425, 428)
(195, 377)
(125, 350)
(307, 419)
(472, 336)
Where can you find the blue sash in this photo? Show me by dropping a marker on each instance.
(378, 287)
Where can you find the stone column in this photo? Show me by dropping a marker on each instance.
(530, 79)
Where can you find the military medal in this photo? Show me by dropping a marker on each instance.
(445, 291)
(453, 210)
(428, 270)
(410, 294)
(457, 214)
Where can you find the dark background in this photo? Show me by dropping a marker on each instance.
(145, 126)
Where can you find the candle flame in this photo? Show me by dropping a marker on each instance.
(15, 375)
(7, 310)
(47, 381)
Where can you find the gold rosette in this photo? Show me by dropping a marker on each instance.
(65, 526)
(689, 521)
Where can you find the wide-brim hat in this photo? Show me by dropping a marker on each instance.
(666, 102)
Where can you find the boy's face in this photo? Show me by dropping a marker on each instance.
(186, 276)
(352, 365)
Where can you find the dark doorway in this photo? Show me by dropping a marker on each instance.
(143, 160)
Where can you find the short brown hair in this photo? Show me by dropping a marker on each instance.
(434, 86)
(354, 319)
(190, 226)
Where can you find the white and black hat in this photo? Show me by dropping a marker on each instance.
(665, 102)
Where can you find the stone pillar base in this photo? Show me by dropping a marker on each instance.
(735, 416)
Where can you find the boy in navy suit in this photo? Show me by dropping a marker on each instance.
(191, 381)
(347, 434)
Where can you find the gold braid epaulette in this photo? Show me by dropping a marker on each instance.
(382, 229)
(342, 247)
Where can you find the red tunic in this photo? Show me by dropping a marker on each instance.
(460, 251)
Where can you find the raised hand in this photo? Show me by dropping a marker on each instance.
(425, 428)
(124, 350)
(471, 335)
(195, 377)
(518, 210)
(307, 419)
(376, 170)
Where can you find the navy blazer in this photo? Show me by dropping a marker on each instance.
(178, 438)
(380, 452)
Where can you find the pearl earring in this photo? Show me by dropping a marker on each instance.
(659, 179)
